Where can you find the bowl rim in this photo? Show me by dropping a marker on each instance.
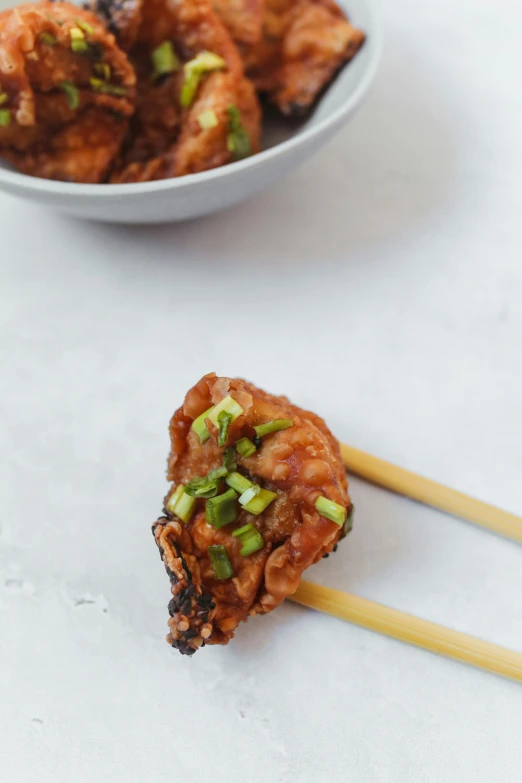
(106, 190)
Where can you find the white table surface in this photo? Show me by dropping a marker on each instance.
(380, 285)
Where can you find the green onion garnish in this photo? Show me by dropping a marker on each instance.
(4, 97)
(189, 89)
(273, 426)
(238, 482)
(185, 507)
(348, 525)
(241, 530)
(78, 43)
(249, 494)
(48, 39)
(251, 539)
(261, 501)
(224, 422)
(331, 510)
(5, 118)
(229, 460)
(171, 502)
(206, 486)
(200, 428)
(181, 504)
(72, 94)
(208, 120)
(103, 70)
(245, 447)
(221, 510)
(85, 26)
(238, 140)
(229, 405)
(203, 63)
(164, 59)
(220, 562)
(98, 85)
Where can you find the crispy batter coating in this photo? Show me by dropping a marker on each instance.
(58, 125)
(165, 140)
(155, 126)
(304, 44)
(299, 464)
(242, 18)
(200, 149)
(192, 26)
(122, 18)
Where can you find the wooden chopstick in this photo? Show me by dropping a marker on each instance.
(410, 629)
(404, 482)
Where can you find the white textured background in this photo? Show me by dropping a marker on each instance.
(380, 285)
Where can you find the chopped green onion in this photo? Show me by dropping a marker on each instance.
(251, 539)
(241, 530)
(103, 70)
(48, 39)
(221, 510)
(220, 562)
(164, 59)
(224, 422)
(273, 426)
(78, 43)
(200, 428)
(238, 140)
(203, 63)
(245, 447)
(85, 26)
(331, 510)
(4, 97)
(348, 525)
(189, 89)
(5, 118)
(249, 494)
(206, 486)
(171, 503)
(261, 501)
(185, 507)
(72, 94)
(238, 482)
(208, 120)
(220, 472)
(229, 405)
(79, 47)
(181, 504)
(98, 85)
(229, 460)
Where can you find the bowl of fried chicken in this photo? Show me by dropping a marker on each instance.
(144, 111)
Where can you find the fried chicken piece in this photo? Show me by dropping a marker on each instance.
(231, 557)
(242, 18)
(122, 18)
(304, 44)
(199, 148)
(166, 139)
(155, 126)
(66, 92)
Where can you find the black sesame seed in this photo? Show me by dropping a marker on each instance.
(185, 608)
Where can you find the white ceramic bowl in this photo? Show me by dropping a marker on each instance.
(285, 147)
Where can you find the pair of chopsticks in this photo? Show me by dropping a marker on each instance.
(399, 625)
